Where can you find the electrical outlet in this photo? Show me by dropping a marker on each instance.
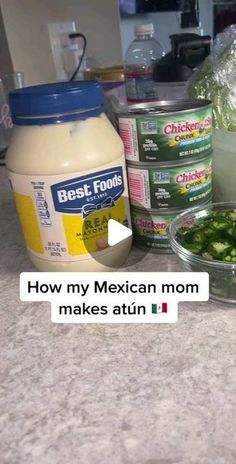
(58, 34)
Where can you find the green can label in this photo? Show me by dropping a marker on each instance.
(151, 230)
(167, 138)
(176, 187)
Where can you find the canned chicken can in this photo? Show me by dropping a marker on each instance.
(166, 131)
(178, 186)
(150, 229)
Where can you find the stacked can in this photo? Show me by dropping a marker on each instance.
(168, 148)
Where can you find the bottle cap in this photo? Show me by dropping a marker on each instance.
(56, 102)
(143, 29)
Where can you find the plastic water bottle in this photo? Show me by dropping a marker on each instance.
(140, 57)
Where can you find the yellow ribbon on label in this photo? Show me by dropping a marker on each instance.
(89, 234)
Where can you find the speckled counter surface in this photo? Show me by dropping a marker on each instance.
(125, 394)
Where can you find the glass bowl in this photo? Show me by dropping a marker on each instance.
(222, 274)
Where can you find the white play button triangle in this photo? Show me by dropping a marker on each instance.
(117, 232)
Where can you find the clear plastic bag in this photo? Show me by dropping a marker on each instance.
(216, 80)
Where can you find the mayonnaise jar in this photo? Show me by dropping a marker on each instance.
(67, 170)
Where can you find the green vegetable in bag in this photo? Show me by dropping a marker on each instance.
(215, 80)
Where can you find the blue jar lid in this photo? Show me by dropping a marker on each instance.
(56, 103)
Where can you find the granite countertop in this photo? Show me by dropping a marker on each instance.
(112, 394)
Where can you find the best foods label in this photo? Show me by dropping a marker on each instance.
(156, 138)
(65, 218)
(176, 187)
